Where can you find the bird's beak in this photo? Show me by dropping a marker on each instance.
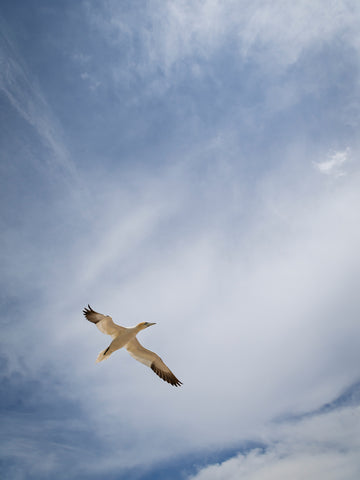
(151, 324)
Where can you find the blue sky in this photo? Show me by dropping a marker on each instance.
(194, 164)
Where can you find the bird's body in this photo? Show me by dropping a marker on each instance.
(119, 341)
(126, 337)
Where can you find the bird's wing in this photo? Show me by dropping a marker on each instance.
(104, 323)
(149, 358)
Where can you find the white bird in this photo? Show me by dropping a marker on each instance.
(126, 337)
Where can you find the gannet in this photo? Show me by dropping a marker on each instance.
(126, 337)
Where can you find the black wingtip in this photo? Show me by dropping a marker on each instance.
(91, 315)
(87, 310)
(169, 378)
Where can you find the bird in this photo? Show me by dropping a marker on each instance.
(126, 337)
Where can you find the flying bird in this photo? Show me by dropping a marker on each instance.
(126, 337)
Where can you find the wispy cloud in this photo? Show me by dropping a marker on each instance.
(275, 56)
(199, 283)
(204, 211)
(22, 91)
(275, 35)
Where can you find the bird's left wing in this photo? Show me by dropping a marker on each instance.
(149, 358)
(103, 322)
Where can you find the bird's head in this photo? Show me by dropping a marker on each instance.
(143, 325)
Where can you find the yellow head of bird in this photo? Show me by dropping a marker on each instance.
(143, 325)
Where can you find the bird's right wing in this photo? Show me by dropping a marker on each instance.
(149, 358)
(103, 322)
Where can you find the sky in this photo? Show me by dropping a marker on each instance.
(194, 164)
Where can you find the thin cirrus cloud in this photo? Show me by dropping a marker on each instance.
(273, 35)
(23, 93)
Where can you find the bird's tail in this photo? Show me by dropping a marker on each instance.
(103, 355)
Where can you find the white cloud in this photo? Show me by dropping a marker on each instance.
(251, 278)
(274, 34)
(287, 50)
(334, 166)
(256, 306)
(325, 446)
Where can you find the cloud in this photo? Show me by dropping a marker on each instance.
(334, 166)
(275, 35)
(23, 93)
(236, 296)
(276, 57)
(216, 226)
(321, 446)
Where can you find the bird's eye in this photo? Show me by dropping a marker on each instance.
(146, 323)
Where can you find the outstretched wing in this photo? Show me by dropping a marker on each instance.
(103, 322)
(149, 358)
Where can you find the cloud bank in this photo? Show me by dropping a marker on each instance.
(315, 447)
